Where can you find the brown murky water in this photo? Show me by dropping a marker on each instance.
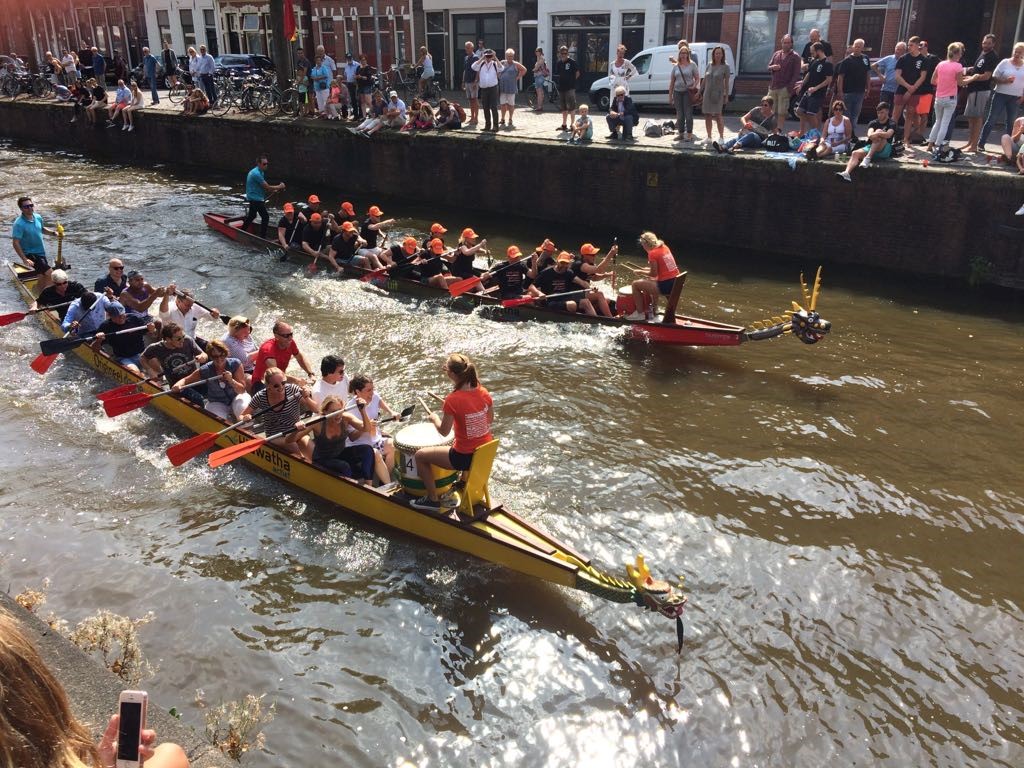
(849, 518)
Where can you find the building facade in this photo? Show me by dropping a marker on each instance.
(351, 27)
(183, 23)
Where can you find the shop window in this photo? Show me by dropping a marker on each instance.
(758, 41)
(808, 15)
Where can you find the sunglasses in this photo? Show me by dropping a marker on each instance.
(118, 269)
(177, 338)
(29, 205)
(284, 335)
(60, 282)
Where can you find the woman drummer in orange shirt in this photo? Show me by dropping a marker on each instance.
(659, 281)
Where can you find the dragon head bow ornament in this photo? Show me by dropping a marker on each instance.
(657, 595)
(806, 324)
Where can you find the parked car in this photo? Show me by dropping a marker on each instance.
(239, 66)
(650, 86)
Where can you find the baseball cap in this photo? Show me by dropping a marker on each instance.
(409, 244)
(564, 256)
(469, 234)
(393, 93)
(115, 308)
(375, 211)
(436, 246)
(133, 274)
(347, 206)
(513, 252)
(59, 276)
(316, 217)
(313, 199)
(587, 249)
(547, 245)
(289, 208)
(437, 229)
(348, 226)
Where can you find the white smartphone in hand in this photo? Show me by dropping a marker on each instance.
(131, 706)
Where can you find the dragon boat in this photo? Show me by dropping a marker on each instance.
(477, 526)
(804, 323)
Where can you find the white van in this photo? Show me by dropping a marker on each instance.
(650, 86)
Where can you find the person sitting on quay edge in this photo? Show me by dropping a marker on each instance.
(332, 381)
(174, 357)
(447, 117)
(837, 136)
(185, 312)
(98, 91)
(622, 114)
(226, 396)
(561, 279)
(122, 98)
(139, 295)
(880, 136)
(758, 124)
(582, 126)
(37, 726)
(286, 402)
(82, 100)
(60, 291)
(137, 102)
(1011, 144)
(86, 314)
(374, 120)
(277, 352)
(196, 102)
(114, 281)
(126, 348)
(395, 111)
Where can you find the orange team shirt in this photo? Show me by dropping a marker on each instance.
(664, 260)
(471, 409)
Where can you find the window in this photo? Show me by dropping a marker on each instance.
(99, 29)
(251, 22)
(758, 41)
(210, 25)
(435, 23)
(327, 25)
(633, 32)
(868, 23)
(707, 23)
(163, 23)
(673, 27)
(642, 63)
(808, 15)
(188, 29)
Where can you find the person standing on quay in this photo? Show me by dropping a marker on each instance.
(149, 63)
(206, 66)
(256, 188)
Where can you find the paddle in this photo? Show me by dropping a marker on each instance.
(124, 389)
(232, 452)
(14, 317)
(530, 299)
(615, 256)
(186, 450)
(66, 344)
(407, 265)
(223, 318)
(116, 406)
(462, 286)
(43, 362)
(405, 414)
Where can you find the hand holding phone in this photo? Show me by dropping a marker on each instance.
(131, 709)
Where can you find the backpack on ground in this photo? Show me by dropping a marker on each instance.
(948, 155)
(653, 130)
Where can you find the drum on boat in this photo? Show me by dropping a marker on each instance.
(410, 439)
(625, 304)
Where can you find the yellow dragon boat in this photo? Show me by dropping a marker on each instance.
(479, 527)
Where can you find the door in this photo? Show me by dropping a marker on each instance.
(528, 53)
(474, 28)
(589, 48)
(640, 87)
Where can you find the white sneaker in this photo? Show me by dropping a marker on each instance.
(866, 163)
(635, 316)
(131, 128)
(124, 128)
(844, 176)
(1020, 211)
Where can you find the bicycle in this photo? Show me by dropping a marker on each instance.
(176, 94)
(551, 93)
(273, 101)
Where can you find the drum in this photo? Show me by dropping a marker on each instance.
(625, 304)
(410, 439)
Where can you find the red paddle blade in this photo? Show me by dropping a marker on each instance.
(517, 302)
(12, 318)
(460, 287)
(42, 363)
(187, 450)
(124, 389)
(312, 268)
(232, 452)
(118, 405)
(372, 275)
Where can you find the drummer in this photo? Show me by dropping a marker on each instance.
(469, 409)
(660, 280)
(588, 271)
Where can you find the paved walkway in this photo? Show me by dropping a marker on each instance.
(544, 126)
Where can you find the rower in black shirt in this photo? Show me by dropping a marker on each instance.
(433, 268)
(345, 247)
(511, 277)
(465, 252)
(560, 279)
(314, 237)
(586, 269)
(371, 228)
(289, 228)
(60, 291)
(436, 231)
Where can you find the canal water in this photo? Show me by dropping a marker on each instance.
(848, 517)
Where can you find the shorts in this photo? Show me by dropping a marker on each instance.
(472, 90)
(665, 286)
(538, 81)
(559, 304)
(365, 90)
(977, 104)
(884, 153)
(567, 99)
(133, 360)
(910, 101)
(924, 103)
(506, 99)
(839, 149)
(810, 103)
(459, 461)
(39, 262)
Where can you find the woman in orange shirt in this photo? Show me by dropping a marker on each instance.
(469, 409)
(660, 279)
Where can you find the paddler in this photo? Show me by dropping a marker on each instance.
(660, 280)
(438, 231)
(125, 348)
(185, 313)
(286, 402)
(346, 212)
(371, 229)
(174, 357)
(315, 237)
(27, 235)
(114, 281)
(403, 254)
(139, 295)
(226, 396)
(587, 270)
(347, 246)
(465, 252)
(511, 277)
(289, 227)
(60, 291)
(86, 314)
(256, 188)
(561, 279)
(432, 267)
(469, 410)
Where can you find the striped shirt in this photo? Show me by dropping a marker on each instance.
(284, 415)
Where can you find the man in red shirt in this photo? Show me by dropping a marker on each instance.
(278, 353)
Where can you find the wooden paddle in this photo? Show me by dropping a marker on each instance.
(66, 343)
(116, 406)
(14, 317)
(530, 299)
(186, 450)
(124, 389)
(232, 452)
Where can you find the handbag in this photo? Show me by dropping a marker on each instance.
(696, 95)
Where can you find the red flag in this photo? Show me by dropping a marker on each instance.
(289, 21)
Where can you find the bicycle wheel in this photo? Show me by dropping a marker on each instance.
(176, 95)
(10, 87)
(41, 87)
(225, 101)
(268, 102)
(290, 102)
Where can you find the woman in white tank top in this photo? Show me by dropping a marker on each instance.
(838, 134)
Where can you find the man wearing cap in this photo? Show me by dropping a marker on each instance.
(278, 353)
(401, 255)
(394, 111)
(289, 227)
(432, 268)
(86, 314)
(560, 279)
(114, 281)
(372, 225)
(256, 188)
(27, 235)
(314, 236)
(59, 292)
(346, 212)
(436, 231)
(351, 67)
(139, 295)
(126, 348)
(488, 69)
(306, 209)
(185, 313)
(345, 247)
(511, 277)
(587, 270)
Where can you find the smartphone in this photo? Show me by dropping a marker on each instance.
(131, 706)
